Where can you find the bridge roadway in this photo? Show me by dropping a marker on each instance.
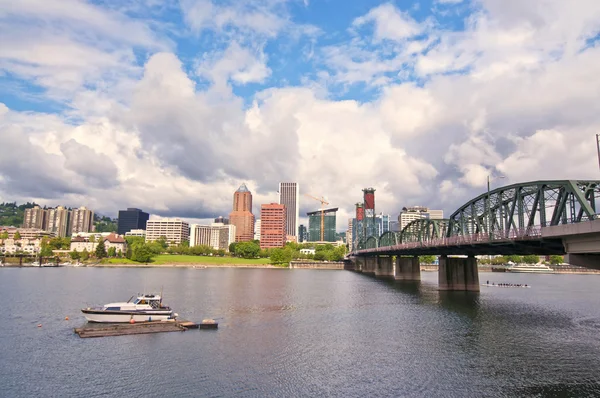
(509, 220)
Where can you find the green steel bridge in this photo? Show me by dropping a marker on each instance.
(507, 220)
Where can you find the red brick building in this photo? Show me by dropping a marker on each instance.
(242, 216)
(272, 226)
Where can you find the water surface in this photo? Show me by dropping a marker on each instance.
(303, 333)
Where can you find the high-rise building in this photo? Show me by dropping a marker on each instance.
(217, 235)
(222, 220)
(272, 225)
(58, 221)
(242, 216)
(289, 195)
(130, 219)
(174, 231)
(350, 233)
(82, 220)
(257, 230)
(35, 218)
(302, 234)
(314, 225)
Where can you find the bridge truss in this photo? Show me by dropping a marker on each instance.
(514, 212)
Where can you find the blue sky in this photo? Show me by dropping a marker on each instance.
(170, 105)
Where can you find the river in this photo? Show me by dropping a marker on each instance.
(302, 333)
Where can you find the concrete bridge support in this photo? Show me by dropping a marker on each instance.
(359, 263)
(385, 267)
(458, 273)
(408, 269)
(370, 265)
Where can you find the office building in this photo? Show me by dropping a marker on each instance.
(222, 220)
(302, 234)
(35, 218)
(272, 225)
(257, 230)
(81, 220)
(409, 214)
(314, 225)
(289, 195)
(136, 232)
(58, 221)
(173, 230)
(242, 216)
(131, 219)
(217, 235)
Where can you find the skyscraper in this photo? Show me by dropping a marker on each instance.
(82, 220)
(289, 195)
(58, 221)
(35, 218)
(242, 216)
(131, 218)
(272, 225)
(314, 225)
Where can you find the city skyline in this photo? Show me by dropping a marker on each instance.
(102, 105)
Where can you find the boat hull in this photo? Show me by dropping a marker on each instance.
(100, 316)
(532, 271)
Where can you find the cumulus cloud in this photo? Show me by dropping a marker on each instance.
(515, 93)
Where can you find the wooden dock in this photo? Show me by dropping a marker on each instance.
(123, 329)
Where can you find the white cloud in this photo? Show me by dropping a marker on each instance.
(390, 23)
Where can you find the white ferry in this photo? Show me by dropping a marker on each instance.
(530, 268)
(145, 308)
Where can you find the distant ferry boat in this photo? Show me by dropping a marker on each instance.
(530, 268)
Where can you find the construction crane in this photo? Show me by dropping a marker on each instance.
(323, 203)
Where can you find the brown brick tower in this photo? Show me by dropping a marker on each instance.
(242, 216)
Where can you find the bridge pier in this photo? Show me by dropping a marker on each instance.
(458, 273)
(359, 263)
(408, 269)
(385, 267)
(370, 265)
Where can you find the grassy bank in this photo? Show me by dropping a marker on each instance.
(186, 259)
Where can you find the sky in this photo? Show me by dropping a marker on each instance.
(169, 106)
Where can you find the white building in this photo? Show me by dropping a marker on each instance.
(409, 214)
(217, 235)
(173, 230)
(257, 230)
(289, 195)
(80, 243)
(28, 246)
(136, 232)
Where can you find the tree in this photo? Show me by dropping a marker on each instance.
(92, 238)
(4, 235)
(46, 250)
(17, 236)
(247, 249)
(85, 255)
(514, 258)
(100, 249)
(142, 254)
(132, 240)
(75, 255)
(531, 259)
(112, 252)
(232, 247)
(427, 259)
(281, 256)
(556, 260)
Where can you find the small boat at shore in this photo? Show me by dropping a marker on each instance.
(145, 308)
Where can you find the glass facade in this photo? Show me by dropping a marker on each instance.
(314, 227)
(131, 219)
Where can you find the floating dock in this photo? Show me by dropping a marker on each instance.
(124, 329)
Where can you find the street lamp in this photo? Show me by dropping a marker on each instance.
(598, 147)
(489, 207)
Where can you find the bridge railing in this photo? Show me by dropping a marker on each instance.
(527, 233)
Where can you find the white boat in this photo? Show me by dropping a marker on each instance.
(145, 308)
(530, 268)
(35, 264)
